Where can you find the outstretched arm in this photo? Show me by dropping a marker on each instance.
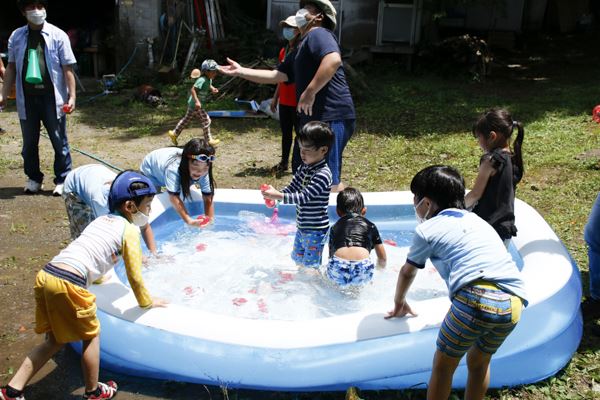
(405, 279)
(148, 236)
(252, 75)
(181, 210)
(209, 208)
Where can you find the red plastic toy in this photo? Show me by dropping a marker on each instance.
(201, 247)
(66, 109)
(238, 301)
(596, 114)
(204, 220)
(268, 202)
(390, 242)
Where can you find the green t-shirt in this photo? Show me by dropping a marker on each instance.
(202, 86)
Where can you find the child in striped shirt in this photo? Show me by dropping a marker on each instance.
(309, 190)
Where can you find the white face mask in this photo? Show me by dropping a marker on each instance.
(289, 33)
(422, 219)
(301, 20)
(139, 218)
(36, 17)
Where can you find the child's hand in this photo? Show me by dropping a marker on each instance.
(400, 310)
(271, 193)
(158, 302)
(306, 102)
(157, 257)
(214, 90)
(197, 106)
(164, 257)
(202, 221)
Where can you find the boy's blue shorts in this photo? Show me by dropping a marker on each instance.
(350, 273)
(308, 247)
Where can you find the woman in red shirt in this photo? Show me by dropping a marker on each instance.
(285, 96)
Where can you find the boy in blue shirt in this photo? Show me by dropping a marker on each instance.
(484, 284)
(309, 190)
(65, 309)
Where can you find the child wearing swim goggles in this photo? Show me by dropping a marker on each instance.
(178, 169)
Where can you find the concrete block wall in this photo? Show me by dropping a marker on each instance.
(138, 20)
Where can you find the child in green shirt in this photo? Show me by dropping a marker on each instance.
(199, 94)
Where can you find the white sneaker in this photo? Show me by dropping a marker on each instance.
(32, 186)
(58, 190)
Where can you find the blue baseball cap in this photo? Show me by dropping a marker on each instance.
(121, 191)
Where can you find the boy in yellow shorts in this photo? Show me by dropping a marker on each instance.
(65, 309)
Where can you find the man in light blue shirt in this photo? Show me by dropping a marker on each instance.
(45, 100)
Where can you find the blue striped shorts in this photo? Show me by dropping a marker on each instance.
(480, 314)
(350, 273)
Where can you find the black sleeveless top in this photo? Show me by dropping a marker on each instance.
(497, 204)
(353, 230)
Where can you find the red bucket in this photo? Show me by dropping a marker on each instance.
(596, 114)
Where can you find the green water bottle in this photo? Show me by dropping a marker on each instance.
(33, 76)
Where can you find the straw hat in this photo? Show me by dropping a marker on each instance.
(195, 73)
(289, 21)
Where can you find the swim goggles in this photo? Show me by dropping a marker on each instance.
(202, 157)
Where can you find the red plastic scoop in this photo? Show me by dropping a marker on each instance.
(268, 202)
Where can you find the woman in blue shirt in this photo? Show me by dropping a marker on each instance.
(316, 69)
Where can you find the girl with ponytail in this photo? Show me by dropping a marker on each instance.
(500, 170)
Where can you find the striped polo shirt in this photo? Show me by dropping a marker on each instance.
(309, 190)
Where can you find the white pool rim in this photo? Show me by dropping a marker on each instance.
(362, 349)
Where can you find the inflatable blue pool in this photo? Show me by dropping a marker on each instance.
(354, 348)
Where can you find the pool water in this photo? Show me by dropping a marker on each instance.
(241, 267)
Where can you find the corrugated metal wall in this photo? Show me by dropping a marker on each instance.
(357, 19)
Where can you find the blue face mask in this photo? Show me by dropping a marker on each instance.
(289, 33)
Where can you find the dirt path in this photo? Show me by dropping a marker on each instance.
(33, 228)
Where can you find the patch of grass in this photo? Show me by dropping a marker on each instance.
(408, 122)
(18, 228)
